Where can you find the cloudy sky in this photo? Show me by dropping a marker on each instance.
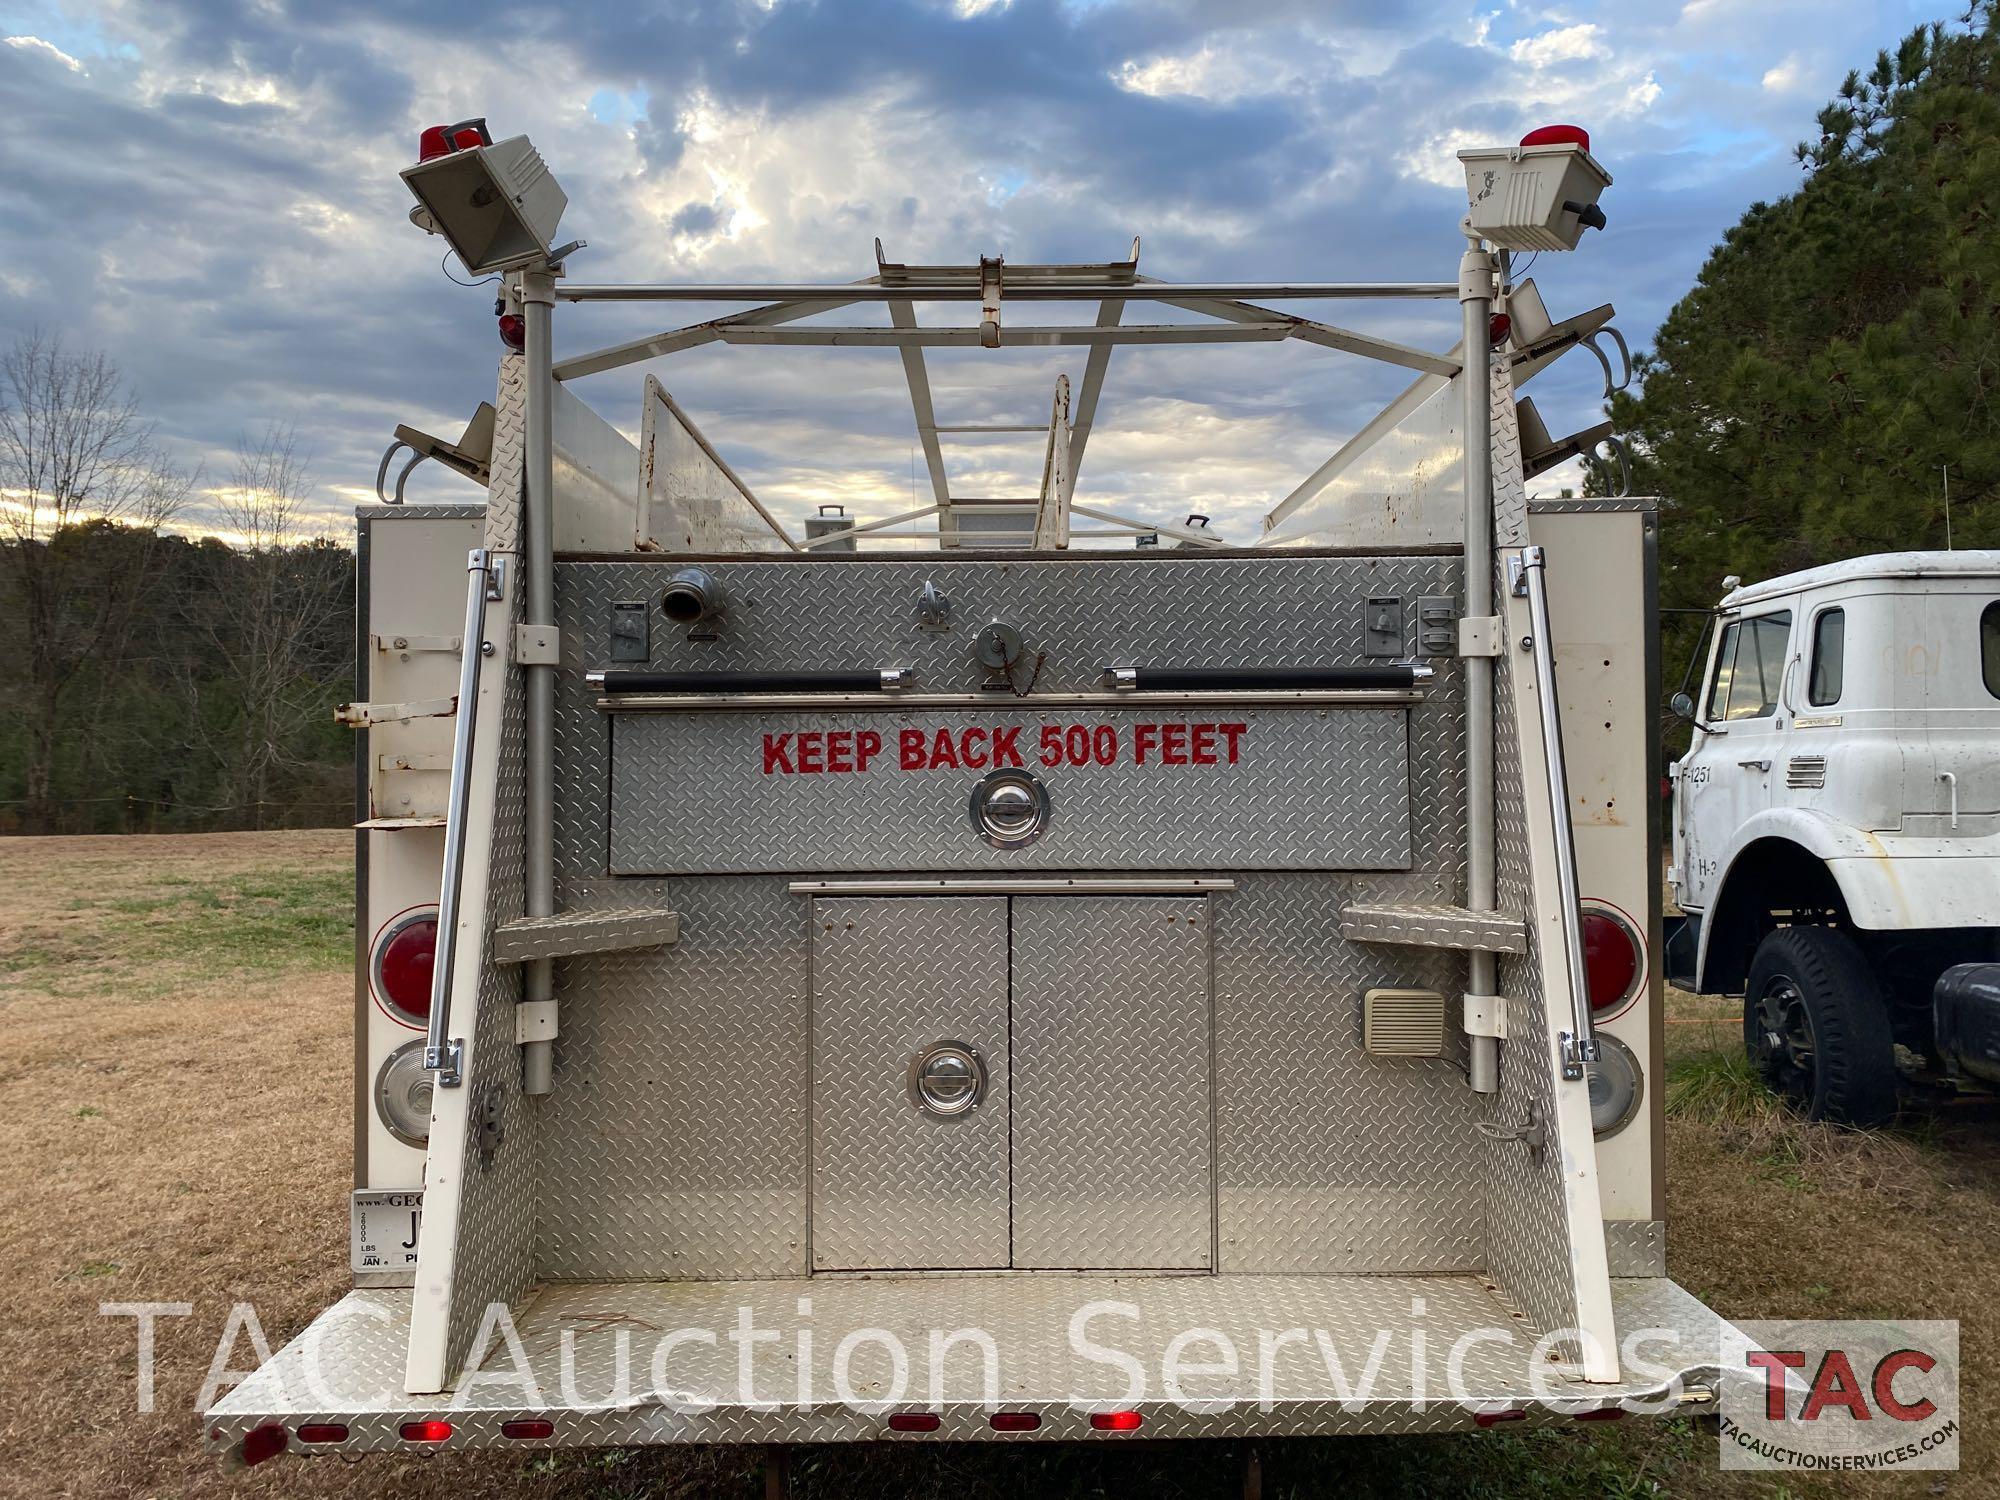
(208, 192)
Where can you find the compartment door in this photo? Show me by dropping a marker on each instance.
(1113, 1118)
(908, 1173)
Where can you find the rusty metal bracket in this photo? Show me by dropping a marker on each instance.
(361, 715)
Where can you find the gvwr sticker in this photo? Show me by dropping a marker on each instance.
(980, 747)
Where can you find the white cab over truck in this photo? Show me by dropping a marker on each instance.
(1007, 970)
(1837, 825)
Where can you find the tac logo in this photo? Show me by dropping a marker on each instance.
(1847, 1397)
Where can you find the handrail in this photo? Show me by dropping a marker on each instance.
(442, 1056)
(1579, 1045)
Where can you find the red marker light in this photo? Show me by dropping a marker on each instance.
(323, 1432)
(914, 1421)
(1116, 1421)
(431, 1431)
(528, 1427)
(263, 1442)
(1014, 1421)
(514, 331)
(1498, 328)
(1495, 1418)
(1557, 135)
(1612, 960)
(404, 954)
(1601, 1414)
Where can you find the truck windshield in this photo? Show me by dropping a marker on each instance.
(1749, 664)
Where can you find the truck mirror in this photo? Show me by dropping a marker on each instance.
(1683, 706)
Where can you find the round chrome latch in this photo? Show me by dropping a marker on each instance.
(1009, 809)
(947, 1078)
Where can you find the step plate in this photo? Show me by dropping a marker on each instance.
(356, 1350)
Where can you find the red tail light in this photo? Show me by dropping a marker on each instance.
(1614, 961)
(528, 1428)
(914, 1421)
(1557, 135)
(263, 1442)
(1116, 1421)
(1014, 1421)
(404, 953)
(431, 1431)
(323, 1432)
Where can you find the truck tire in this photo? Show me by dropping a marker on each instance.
(1816, 1026)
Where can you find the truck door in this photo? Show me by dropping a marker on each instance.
(1727, 775)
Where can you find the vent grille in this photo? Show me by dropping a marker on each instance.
(1806, 771)
(1403, 1023)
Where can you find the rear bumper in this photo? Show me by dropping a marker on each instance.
(817, 1361)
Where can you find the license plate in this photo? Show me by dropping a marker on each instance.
(385, 1230)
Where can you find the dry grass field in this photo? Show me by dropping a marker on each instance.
(176, 1074)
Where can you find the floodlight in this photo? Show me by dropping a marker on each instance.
(496, 202)
(1539, 195)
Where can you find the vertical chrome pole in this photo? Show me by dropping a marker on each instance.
(443, 1054)
(1475, 295)
(539, 609)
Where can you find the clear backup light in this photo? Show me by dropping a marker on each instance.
(1616, 1086)
(403, 1094)
(399, 965)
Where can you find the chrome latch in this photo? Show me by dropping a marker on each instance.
(448, 1062)
(1530, 1132)
(1575, 1054)
(947, 1079)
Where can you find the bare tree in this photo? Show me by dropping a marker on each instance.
(270, 618)
(74, 454)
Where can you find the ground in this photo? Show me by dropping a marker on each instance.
(177, 1080)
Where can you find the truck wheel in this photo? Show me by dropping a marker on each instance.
(1816, 1025)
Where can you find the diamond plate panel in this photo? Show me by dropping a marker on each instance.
(1328, 1159)
(1636, 1247)
(1527, 1238)
(829, 614)
(1315, 789)
(675, 1143)
(894, 1186)
(1111, 1067)
(1510, 490)
(572, 934)
(347, 1366)
(371, 514)
(506, 473)
(1434, 927)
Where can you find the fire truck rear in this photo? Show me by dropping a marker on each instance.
(1013, 970)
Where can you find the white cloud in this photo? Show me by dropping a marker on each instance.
(45, 49)
(1786, 76)
(1568, 44)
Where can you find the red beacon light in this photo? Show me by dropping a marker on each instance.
(442, 140)
(1557, 135)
